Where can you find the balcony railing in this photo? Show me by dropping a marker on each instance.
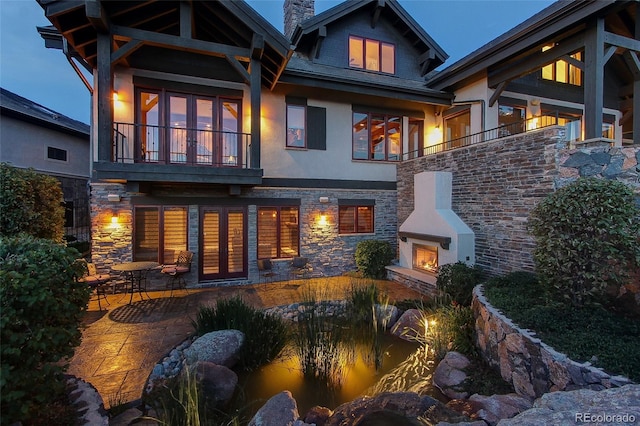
(141, 143)
(515, 128)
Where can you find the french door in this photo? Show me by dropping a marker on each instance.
(223, 242)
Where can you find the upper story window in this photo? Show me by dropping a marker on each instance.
(306, 125)
(377, 136)
(457, 127)
(372, 55)
(511, 118)
(296, 126)
(56, 154)
(562, 71)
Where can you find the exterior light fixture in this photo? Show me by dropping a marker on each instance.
(114, 220)
(115, 96)
(324, 200)
(114, 198)
(322, 221)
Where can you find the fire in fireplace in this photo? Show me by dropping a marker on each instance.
(425, 258)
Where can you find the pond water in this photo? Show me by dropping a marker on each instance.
(401, 366)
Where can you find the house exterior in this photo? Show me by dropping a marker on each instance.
(214, 132)
(33, 136)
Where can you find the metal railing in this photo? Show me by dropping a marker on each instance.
(510, 129)
(142, 143)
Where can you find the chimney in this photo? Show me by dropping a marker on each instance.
(296, 12)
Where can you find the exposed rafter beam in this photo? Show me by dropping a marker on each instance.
(189, 45)
(239, 68)
(536, 61)
(322, 33)
(497, 92)
(186, 20)
(424, 60)
(631, 58)
(621, 41)
(257, 46)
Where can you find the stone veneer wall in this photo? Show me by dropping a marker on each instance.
(531, 366)
(497, 183)
(329, 253)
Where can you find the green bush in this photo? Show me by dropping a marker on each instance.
(265, 334)
(40, 316)
(458, 280)
(587, 238)
(372, 256)
(30, 203)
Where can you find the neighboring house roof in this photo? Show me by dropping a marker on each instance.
(562, 17)
(218, 24)
(432, 55)
(23, 109)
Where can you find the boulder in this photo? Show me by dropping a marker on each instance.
(494, 408)
(317, 415)
(217, 381)
(387, 315)
(219, 347)
(615, 406)
(449, 376)
(400, 408)
(280, 410)
(410, 326)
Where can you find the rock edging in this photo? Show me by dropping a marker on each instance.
(531, 366)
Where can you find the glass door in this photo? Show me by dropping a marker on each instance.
(230, 150)
(223, 247)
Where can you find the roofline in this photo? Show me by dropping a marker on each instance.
(524, 33)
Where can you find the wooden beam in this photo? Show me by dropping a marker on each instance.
(631, 59)
(376, 13)
(173, 42)
(185, 20)
(608, 53)
(126, 50)
(105, 99)
(239, 68)
(257, 46)
(424, 60)
(535, 61)
(625, 117)
(497, 92)
(256, 88)
(636, 89)
(95, 14)
(594, 79)
(573, 61)
(621, 41)
(322, 33)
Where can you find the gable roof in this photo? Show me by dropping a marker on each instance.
(23, 109)
(405, 24)
(214, 24)
(560, 19)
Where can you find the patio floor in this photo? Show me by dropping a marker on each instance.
(121, 345)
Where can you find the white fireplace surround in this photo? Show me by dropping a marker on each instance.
(433, 223)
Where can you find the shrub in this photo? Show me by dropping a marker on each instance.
(40, 315)
(458, 280)
(372, 256)
(586, 238)
(30, 203)
(265, 334)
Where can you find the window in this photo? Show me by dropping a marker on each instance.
(377, 136)
(278, 232)
(56, 154)
(562, 71)
(416, 138)
(372, 55)
(160, 233)
(457, 127)
(572, 122)
(511, 119)
(182, 128)
(355, 219)
(296, 120)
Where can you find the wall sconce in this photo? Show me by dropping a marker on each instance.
(324, 200)
(322, 221)
(114, 220)
(114, 198)
(115, 96)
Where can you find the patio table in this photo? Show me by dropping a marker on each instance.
(136, 272)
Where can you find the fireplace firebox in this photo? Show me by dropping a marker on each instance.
(425, 258)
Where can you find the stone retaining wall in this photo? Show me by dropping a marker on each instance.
(531, 366)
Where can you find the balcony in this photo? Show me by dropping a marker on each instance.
(523, 126)
(146, 153)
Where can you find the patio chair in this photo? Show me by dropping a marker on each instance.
(265, 267)
(177, 270)
(300, 268)
(100, 283)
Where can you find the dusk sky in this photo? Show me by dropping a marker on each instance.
(44, 76)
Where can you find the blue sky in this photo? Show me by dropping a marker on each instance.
(44, 76)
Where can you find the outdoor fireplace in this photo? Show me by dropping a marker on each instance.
(425, 258)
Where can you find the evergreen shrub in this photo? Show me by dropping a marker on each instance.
(372, 256)
(457, 280)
